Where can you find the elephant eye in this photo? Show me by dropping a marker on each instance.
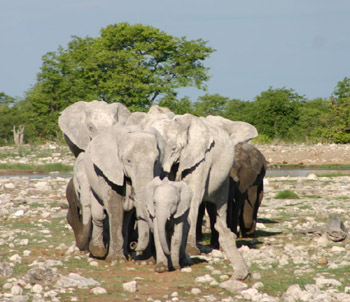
(128, 160)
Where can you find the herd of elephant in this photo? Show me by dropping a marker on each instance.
(141, 181)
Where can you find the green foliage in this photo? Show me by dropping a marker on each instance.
(136, 65)
(275, 111)
(210, 105)
(178, 106)
(286, 194)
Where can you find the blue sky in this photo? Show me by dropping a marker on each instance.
(298, 44)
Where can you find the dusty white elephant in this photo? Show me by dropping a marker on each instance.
(118, 156)
(166, 210)
(80, 123)
(202, 154)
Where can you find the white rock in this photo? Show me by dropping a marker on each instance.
(249, 293)
(99, 291)
(10, 185)
(233, 285)
(94, 263)
(320, 282)
(312, 176)
(16, 290)
(24, 242)
(217, 254)
(195, 291)
(338, 249)
(322, 241)
(258, 285)
(186, 270)
(174, 294)
(18, 213)
(37, 288)
(75, 280)
(16, 258)
(130, 286)
(204, 279)
(26, 253)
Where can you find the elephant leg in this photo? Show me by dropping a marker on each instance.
(201, 212)
(211, 209)
(161, 259)
(197, 184)
(176, 241)
(78, 217)
(115, 212)
(96, 246)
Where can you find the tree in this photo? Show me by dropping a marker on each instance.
(137, 65)
(339, 116)
(207, 104)
(275, 112)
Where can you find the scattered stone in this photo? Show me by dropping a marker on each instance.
(37, 288)
(233, 285)
(320, 282)
(186, 270)
(75, 280)
(5, 270)
(130, 286)
(322, 261)
(99, 291)
(195, 291)
(16, 290)
(41, 274)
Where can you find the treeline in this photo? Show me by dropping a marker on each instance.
(140, 66)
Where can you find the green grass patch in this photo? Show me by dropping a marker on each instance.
(47, 168)
(286, 194)
(333, 174)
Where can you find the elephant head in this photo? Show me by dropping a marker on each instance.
(188, 141)
(166, 201)
(82, 121)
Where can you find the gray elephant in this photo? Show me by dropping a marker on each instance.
(246, 193)
(117, 161)
(167, 205)
(202, 154)
(80, 123)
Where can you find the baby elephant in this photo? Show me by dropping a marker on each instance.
(167, 206)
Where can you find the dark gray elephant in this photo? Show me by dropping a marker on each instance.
(246, 193)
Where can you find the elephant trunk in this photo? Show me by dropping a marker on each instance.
(142, 225)
(160, 225)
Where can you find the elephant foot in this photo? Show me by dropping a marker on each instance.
(117, 257)
(192, 250)
(97, 250)
(161, 267)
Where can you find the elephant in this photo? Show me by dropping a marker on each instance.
(119, 161)
(245, 196)
(167, 205)
(202, 154)
(247, 175)
(80, 122)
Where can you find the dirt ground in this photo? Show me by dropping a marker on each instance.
(306, 155)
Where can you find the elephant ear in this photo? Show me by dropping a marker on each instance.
(185, 199)
(103, 150)
(72, 123)
(238, 131)
(198, 141)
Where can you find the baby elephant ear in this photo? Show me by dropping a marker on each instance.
(103, 150)
(149, 196)
(185, 202)
(72, 123)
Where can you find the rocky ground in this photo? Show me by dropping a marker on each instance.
(39, 262)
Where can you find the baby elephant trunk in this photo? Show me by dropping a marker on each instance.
(160, 227)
